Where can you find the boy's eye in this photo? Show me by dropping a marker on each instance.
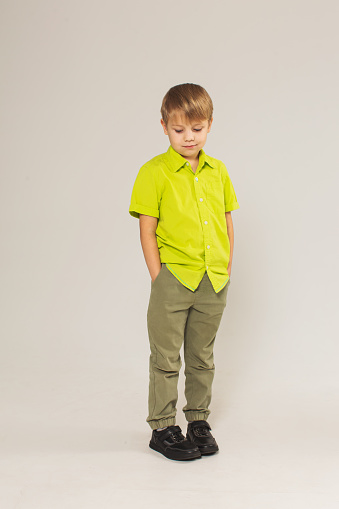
(180, 130)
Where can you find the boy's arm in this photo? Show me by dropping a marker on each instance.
(230, 234)
(148, 226)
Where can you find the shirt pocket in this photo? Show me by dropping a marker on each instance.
(215, 196)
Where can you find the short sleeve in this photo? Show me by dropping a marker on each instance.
(231, 202)
(145, 197)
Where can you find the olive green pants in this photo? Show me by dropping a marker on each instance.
(176, 315)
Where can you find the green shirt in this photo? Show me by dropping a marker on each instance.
(190, 207)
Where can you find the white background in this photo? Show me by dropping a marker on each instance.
(81, 88)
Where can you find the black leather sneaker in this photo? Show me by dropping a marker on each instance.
(171, 443)
(198, 432)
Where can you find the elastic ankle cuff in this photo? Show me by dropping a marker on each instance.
(162, 423)
(196, 416)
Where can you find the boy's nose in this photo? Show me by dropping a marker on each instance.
(189, 136)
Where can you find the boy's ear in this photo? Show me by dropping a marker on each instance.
(210, 125)
(164, 126)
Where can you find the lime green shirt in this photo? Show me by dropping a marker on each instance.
(190, 207)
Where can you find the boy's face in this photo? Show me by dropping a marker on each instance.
(186, 137)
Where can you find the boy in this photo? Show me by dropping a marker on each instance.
(183, 199)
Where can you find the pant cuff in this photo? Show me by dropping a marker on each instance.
(162, 423)
(197, 416)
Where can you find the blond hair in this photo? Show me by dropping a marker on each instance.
(192, 100)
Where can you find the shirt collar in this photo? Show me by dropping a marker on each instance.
(176, 161)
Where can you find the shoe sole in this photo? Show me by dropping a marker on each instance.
(178, 457)
(206, 452)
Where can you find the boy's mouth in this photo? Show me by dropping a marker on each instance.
(189, 146)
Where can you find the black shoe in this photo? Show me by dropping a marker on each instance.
(171, 443)
(198, 432)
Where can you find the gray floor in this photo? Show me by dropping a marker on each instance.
(78, 443)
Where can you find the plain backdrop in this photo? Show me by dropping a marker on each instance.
(81, 88)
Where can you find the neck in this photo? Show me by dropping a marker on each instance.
(194, 162)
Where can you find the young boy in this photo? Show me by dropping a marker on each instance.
(183, 199)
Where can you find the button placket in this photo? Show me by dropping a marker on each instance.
(208, 243)
(205, 222)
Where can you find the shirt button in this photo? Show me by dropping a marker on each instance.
(187, 164)
(196, 178)
(208, 247)
(206, 222)
(201, 199)
(207, 267)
